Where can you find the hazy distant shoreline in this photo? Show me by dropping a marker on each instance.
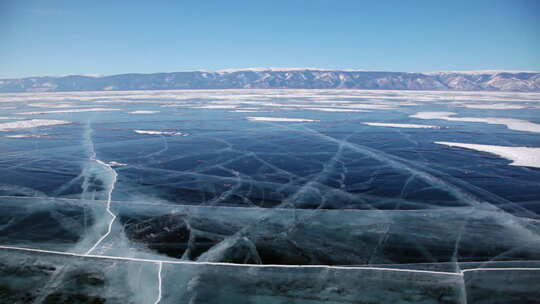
(284, 78)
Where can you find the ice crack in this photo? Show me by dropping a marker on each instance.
(160, 268)
(109, 197)
(110, 188)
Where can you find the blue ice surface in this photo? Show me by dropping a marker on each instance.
(266, 162)
(216, 187)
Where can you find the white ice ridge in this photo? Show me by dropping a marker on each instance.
(184, 262)
(282, 119)
(154, 132)
(394, 125)
(520, 156)
(26, 124)
(69, 111)
(143, 112)
(510, 123)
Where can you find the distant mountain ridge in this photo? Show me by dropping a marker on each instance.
(284, 78)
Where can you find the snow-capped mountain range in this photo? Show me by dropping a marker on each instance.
(284, 78)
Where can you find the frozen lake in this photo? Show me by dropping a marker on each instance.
(282, 196)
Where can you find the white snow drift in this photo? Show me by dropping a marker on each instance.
(70, 111)
(26, 124)
(510, 123)
(520, 156)
(143, 112)
(280, 119)
(154, 132)
(394, 125)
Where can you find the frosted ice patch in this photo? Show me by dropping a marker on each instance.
(520, 156)
(154, 132)
(393, 125)
(143, 112)
(280, 119)
(70, 111)
(510, 123)
(26, 124)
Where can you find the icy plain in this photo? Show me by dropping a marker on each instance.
(269, 196)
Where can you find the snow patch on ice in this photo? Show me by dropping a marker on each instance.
(495, 106)
(23, 136)
(153, 132)
(520, 156)
(70, 111)
(51, 105)
(26, 124)
(216, 107)
(280, 119)
(394, 125)
(510, 123)
(335, 110)
(143, 112)
(247, 111)
(370, 106)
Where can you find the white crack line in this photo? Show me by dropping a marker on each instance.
(259, 265)
(498, 269)
(109, 197)
(160, 267)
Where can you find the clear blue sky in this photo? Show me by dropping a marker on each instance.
(52, 37)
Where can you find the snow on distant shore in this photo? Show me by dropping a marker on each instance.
(520, 156)
(393, 125)
(280, 119)
(26, 124)
(510, 123)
